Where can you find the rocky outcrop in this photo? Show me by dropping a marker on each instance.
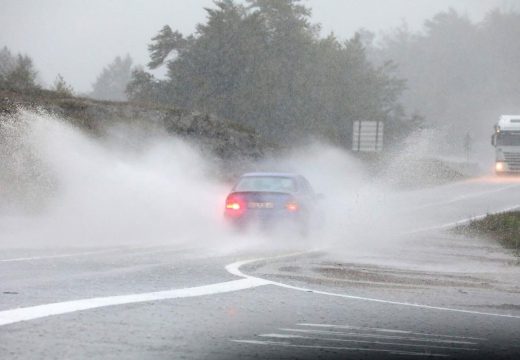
(225, 139)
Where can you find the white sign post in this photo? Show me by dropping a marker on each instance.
(367, 136)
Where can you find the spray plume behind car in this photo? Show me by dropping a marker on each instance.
(131, 188)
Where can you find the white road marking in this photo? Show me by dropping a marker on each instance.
(56, 256)
(460, 222)
(36, 312)
(378, 336)
(420, 306)
(284, 336)
(248, 282)
(388, 331)
(465, 197)
(39, 311)
(423, 346)
(287, 344)
(234, 269)
(122, 251)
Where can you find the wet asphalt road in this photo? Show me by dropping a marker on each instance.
(435, 294)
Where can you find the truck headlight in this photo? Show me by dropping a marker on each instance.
(499, 166)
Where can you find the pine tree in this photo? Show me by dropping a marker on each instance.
(62, 87)
(112, 82)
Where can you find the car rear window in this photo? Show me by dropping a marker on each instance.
(266, 183)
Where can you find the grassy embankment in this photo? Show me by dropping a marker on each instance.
(504, 227)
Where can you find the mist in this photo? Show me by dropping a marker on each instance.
(118, 28)
(83, 191)
(459, 76)
(69, 189)
(450, 52)
(269, 178)
(66, 188)
(72, 187)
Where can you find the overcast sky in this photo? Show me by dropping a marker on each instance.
(77, 38)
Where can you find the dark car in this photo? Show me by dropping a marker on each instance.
(271, 199)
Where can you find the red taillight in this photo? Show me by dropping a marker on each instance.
(235, 205)
(292, 206)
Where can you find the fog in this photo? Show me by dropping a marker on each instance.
(126, 124)
(441, 71)
(65, 188)
(55, 32)
(82, 191)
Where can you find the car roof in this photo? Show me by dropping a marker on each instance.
(271, 174)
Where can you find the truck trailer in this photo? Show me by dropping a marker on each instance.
(506, 140)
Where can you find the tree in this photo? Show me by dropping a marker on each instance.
(142, 87)
(112, 82)
(164, 43)
(62, 87)
(264, 64)
(17, 72)
(460, 75)
(7, 64)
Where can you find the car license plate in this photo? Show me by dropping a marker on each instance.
(261, 205)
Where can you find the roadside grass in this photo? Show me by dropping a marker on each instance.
(503, 227)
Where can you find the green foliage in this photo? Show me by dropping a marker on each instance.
(112, 82)
(7, 64)
(62, 87)
(505, 227)
(143, 87)
(263, 64)
(16, 72)
(164, 43)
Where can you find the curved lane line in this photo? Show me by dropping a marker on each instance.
(36, 312)
(234, 269)
(40, 311)
(247, 282)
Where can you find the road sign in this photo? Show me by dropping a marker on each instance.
(367, 136)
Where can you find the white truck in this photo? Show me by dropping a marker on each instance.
(506, 141)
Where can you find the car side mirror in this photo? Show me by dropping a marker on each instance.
(494, 139)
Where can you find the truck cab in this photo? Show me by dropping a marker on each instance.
(506, 140)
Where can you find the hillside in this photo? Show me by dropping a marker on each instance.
(225, 139)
